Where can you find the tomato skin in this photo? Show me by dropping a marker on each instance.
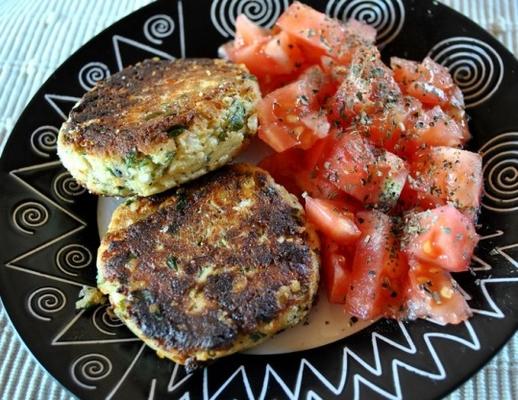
(435, 128)
(352, 134)
(441, 175)
(361, 29)
(370, 175)
(442, 237)
(434, 294)
(290, 116)
(318, 34)
(366, 87)
(379, 270)
(283, 166)
(336, 271)
(275, 58)
(315, 185)
(247, 32)
(428, 81)
(285, 53)
(332, 218)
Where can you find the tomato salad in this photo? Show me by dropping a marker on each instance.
(375, 153)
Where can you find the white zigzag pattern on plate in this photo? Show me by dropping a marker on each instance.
(495, 311)
(51, 100)
(155, 28)
(116, 39)
(357, 379)
(484, 265)
(56, 341)
(152, 389)
(375, 369)
(82, 224)
(110, 395)
(173, 385)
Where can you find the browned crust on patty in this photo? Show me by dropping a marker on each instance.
(134, 109)
(234, 240)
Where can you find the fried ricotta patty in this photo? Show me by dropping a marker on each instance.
(158, 124)
(215, 267)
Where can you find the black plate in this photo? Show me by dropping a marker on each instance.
(49, 233)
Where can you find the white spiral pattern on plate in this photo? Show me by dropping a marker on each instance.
(263, 12)
(30, 215)
(387, 16)
(44, 140)
(72, 257)
(66, 187)
(46, 300)
(104, 321)
(475, 66)
(92, 73)
(158, 27)
(90, 368)
(500, 170)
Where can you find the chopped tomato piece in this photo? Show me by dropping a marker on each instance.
(320, 34)
(332, 218)
(351, 135)
(314, 184)
(437, 75)
(434, 294)
(435, 128)
(247, 32)
(368, 88)
(371, 175)
(429, 82)
(443, 237)
(336, 271)
(392, 127)
(441, 175)
(379, 270)
(252, 55)
(316, 152)
(361, 29)
(275, 59)
(456, 111)
(285, 53)
(291, 116)
(283, 166)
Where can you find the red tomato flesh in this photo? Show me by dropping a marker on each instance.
(283, 166)
(428, 82)
(336, 271)
(442, 237)
(275, 59)
(379, 270)
(440, 175)
(247, 32)
(371, 175)
(291, 116)
(352, 134)
(332, 218)
(367, 88)
(285, 53)
(434, 294)
(320, 34)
